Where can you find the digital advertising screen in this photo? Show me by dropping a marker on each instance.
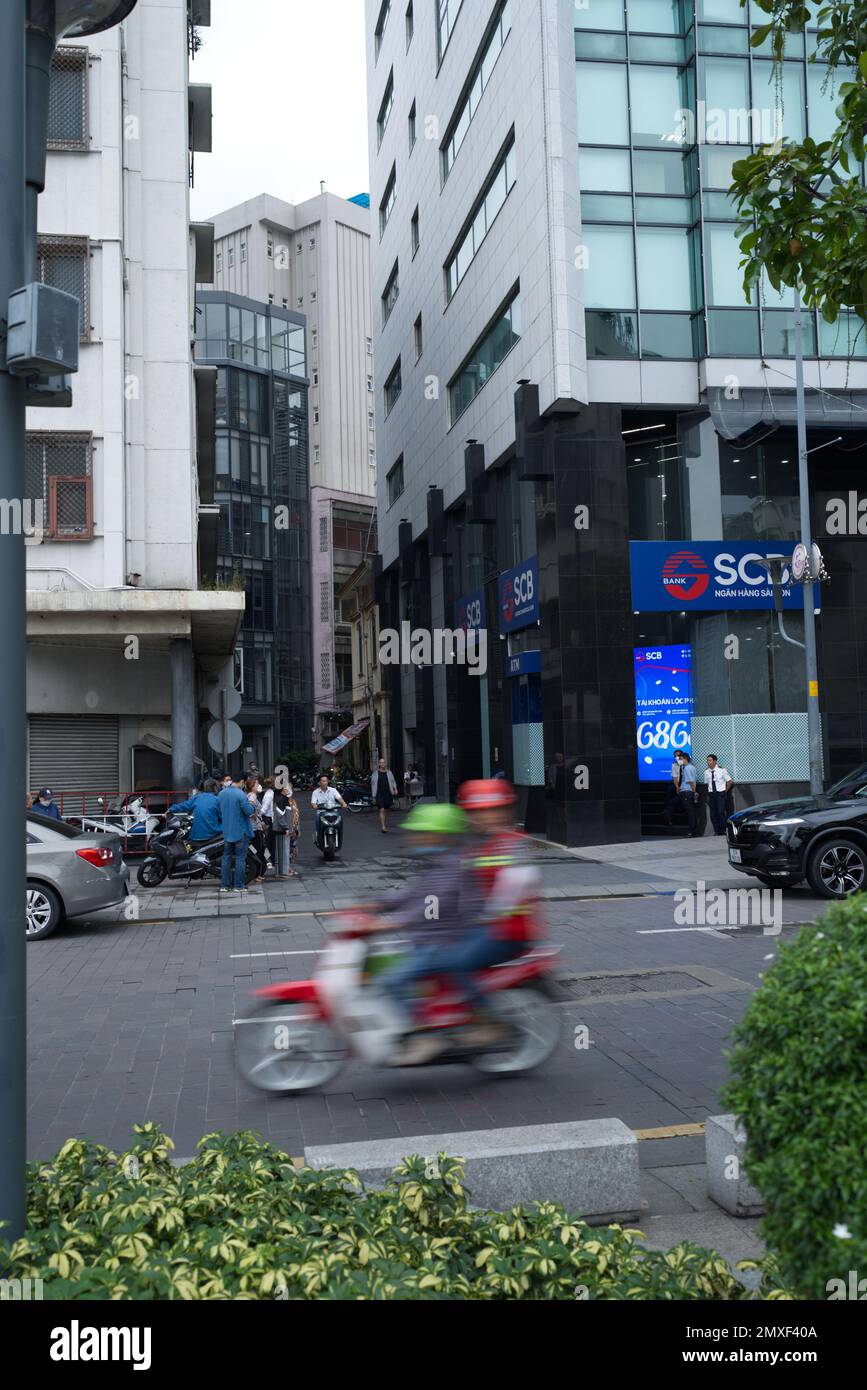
(663, 708)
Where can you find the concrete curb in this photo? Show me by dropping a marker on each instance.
(590, 1167)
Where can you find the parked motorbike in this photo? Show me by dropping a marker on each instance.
(328, 835)
(298, 1034)
(131, 818)
(170, 855)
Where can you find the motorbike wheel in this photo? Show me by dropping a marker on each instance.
(535, 1027)
(330, 855)
(285, 1048)
(151, 873)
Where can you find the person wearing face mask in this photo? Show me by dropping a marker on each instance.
(433, 907)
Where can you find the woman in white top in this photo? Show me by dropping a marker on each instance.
(253, 787)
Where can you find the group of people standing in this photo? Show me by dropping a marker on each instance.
(247, 813)
(685, 792)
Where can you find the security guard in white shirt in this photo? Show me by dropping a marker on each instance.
(718, 784)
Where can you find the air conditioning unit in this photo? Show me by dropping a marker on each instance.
(44, 331)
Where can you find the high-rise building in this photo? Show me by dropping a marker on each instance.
(585, 431)
(124, 643)
(313, 259)
(261, 488)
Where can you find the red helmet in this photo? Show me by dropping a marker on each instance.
(486, 794)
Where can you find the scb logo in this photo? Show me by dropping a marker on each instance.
(472, 614)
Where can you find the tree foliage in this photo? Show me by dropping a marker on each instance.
(804, 203)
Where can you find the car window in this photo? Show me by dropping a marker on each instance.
(56, 827)
(853, 784)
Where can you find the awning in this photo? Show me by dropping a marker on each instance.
(756, 407)
(159, 745)
(339, 743)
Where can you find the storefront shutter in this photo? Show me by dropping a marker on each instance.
(74, 753)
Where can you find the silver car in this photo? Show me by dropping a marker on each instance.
(69, 873)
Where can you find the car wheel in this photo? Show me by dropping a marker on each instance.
(837, 868)
(44, 911)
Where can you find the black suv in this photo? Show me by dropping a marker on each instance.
(820, 838)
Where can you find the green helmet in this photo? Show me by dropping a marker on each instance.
(436, 818)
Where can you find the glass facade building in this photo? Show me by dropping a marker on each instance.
(263, 492)
(614, 457)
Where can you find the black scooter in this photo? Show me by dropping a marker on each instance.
(328, 836)
(170, 855)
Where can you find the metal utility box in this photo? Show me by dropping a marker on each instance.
(44, 331)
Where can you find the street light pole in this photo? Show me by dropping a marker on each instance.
(814, 724)
(13, 633)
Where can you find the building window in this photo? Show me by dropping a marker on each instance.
(219, 261)
(390, 293)
(58, 475)
(370, 420)
(410, 24)
(382, 20)
(243, 251)
(414, 232)
(64, 263)
(316, 454)
(482, 217)
(316, 417)
(324, 601)
(287, 347)
(369, 345)
(369, 382)
(313, 243)
(231, 256)
(393, 388)
(394, 482)
(325, 670)
(371, 457)
(388, 197)
(413, 132)
(67, 100)
(447, 14)
(479, 78)
(270, 249)
(385, 107)
(488, 354)
(419, 338)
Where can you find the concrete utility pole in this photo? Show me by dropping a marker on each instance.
(13, 634)
(29, 30)
(814, 722)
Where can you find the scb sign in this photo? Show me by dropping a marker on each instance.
(470, 612)
(519, 596)
(704, 575)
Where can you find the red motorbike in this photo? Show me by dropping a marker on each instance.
(298, 1034)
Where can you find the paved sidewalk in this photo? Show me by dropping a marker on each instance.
(372, 865)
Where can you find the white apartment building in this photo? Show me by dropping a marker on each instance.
(123, 643)
(313, 258)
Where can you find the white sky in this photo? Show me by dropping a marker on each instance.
(290, 104)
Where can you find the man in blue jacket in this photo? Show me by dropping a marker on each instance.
(236, 814)
(207, 821)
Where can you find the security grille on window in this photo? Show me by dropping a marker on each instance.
(323, 533)
(67, 100)
(324, 602)
(59, 473)
(64, 263)
(325, 670)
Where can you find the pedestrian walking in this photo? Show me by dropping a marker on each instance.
(688, 791)
(236, 815)
(719, 784)
(383, 788)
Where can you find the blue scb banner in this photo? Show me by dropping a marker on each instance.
(685, 575)
(519, 596)
(663, 708)
(470, 612)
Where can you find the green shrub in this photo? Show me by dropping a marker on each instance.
(799, 1084)
(240, 1221)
